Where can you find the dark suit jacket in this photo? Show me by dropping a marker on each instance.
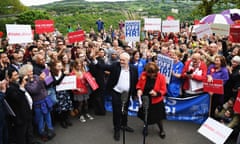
(19, 104)
(115, 70)
(97, 73)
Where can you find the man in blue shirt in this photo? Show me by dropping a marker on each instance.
(100, 24)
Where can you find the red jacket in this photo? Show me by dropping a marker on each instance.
(159, 87)
(202, 68)
(81, 83)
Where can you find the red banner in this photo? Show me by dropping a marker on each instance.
(215, 87)
(234, 33)
(91, 81)
(76, 36)
(236, 106)
(42, 26)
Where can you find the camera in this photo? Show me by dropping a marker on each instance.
(189, 72)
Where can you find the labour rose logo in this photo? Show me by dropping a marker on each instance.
(212, 70)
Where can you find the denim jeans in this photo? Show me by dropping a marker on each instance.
(41, 119)
(52, 95)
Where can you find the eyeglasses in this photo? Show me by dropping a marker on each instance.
(26, 79)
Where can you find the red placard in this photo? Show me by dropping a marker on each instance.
(91, 81)
(196, 22)
(42, 26)
(234, 33)
(170, 18)
(236, 106)
(215, 87)
(1, 34)
(76, 36)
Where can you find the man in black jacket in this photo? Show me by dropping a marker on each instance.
(98, 95)
(22, 122)
(123, 78)
(3, 121)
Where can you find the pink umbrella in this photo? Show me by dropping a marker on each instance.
(234, 14)
(231, 11)
(216, 19)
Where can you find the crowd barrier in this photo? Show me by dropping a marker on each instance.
(194, 109)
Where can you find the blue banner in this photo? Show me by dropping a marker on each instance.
(194, 109)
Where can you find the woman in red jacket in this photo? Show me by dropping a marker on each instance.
(81, 94)
(153, 85)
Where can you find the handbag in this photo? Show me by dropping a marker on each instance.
(44, 108)
(49, 103)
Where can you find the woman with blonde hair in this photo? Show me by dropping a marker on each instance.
(81, 94)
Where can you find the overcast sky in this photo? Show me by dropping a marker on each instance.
(39, 2)
(36, 2)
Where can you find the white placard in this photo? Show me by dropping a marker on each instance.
(165, 65)
(132, 31)
(19, 34)
(220, 29)
(215, 131)
(152, 24)
(195, 85)
(202, 30)
(171, 26)
(68, 83)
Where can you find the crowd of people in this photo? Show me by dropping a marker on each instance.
(118, 68)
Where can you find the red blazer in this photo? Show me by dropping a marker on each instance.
(202, 67)
(159, 87)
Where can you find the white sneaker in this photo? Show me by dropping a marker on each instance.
(82, 119)
(89, 116)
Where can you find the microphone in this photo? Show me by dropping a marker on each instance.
(145, 101)
(145, 105)
(124, 99)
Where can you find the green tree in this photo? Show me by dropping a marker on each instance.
(30, 16)
(11, 7)
(206, 7)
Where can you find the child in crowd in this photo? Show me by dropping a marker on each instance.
(226, 115)
(81, 94)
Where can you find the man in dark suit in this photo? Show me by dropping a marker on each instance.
(99, 74)
(15, 96)
(123, 78)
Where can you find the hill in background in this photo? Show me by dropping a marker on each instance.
(73, 12)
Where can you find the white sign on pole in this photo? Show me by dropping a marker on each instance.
(215, 131)
(220, 29)
(165, 65)
(152, 24)
(171, 26)
(202, 30)
(173, 10)
(18, 34)
(68, 83)
(132, 31)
